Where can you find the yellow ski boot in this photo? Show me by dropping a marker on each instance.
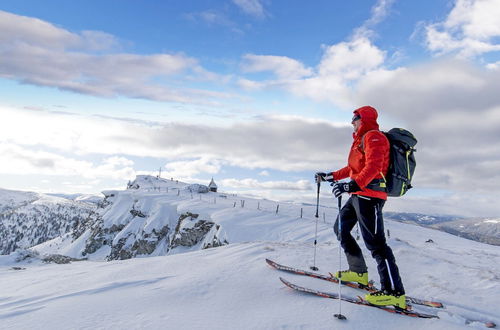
(350, 276)
(384, 298)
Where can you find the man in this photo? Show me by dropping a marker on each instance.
(367, 165)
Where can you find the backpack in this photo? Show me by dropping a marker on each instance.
(401, 164)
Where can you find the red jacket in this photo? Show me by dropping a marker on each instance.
(369, 155)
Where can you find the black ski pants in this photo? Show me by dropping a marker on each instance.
(368, 211)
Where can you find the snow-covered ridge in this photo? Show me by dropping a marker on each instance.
(28, 218)
(149, 218)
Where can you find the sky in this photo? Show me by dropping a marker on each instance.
(257, 94)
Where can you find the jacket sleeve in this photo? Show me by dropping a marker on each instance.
(376, 148)
(341, 174)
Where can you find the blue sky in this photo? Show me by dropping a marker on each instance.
(255, 93)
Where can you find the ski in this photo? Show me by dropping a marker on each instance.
(361, 301)
(357, 301)
(331, 278)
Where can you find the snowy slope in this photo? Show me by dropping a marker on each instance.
(231, 287)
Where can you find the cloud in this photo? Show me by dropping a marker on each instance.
(36, 52)
(341, 65)
(284, 67)
(185, 170)
(213, 17)
(23, 160)
(253, 8)
(284, 143)
(337, 73)
(472, 28)
(22, 30)
(453, 108)
(378, 13)
(460, 204)
(303, 185)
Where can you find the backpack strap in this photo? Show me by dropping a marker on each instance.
(375, 184)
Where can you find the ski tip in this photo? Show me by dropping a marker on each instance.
(435, 304)
(490, 325)
(285, 282)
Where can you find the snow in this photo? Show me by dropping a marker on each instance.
(231, 287)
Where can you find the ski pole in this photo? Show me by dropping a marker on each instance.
(313, 267)
(339, 315)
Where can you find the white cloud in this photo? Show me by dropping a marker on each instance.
(338, 71)
(251, 7)
(341, 66)
(22, 30)
(283, 143)
(350, 60)
(284, 67)
(184, 170)
(378, 13)
(471, 29)
(453, 108)
(304, 185)
(39, 53)
(21, 160)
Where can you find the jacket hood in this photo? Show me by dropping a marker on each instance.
(368, 119)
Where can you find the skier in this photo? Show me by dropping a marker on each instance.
(367, 165)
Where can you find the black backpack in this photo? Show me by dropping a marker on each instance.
(401, 165)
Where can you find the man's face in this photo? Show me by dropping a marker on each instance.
(356, 122)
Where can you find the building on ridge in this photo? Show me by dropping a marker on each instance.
(212, 186)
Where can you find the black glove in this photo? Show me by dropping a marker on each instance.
(322, 176)
(342, 187)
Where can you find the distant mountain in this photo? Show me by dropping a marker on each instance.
(485, 230)
(88, 198)
(419, 218)
(28, 218)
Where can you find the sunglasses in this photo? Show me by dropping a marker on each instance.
(356, 117)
